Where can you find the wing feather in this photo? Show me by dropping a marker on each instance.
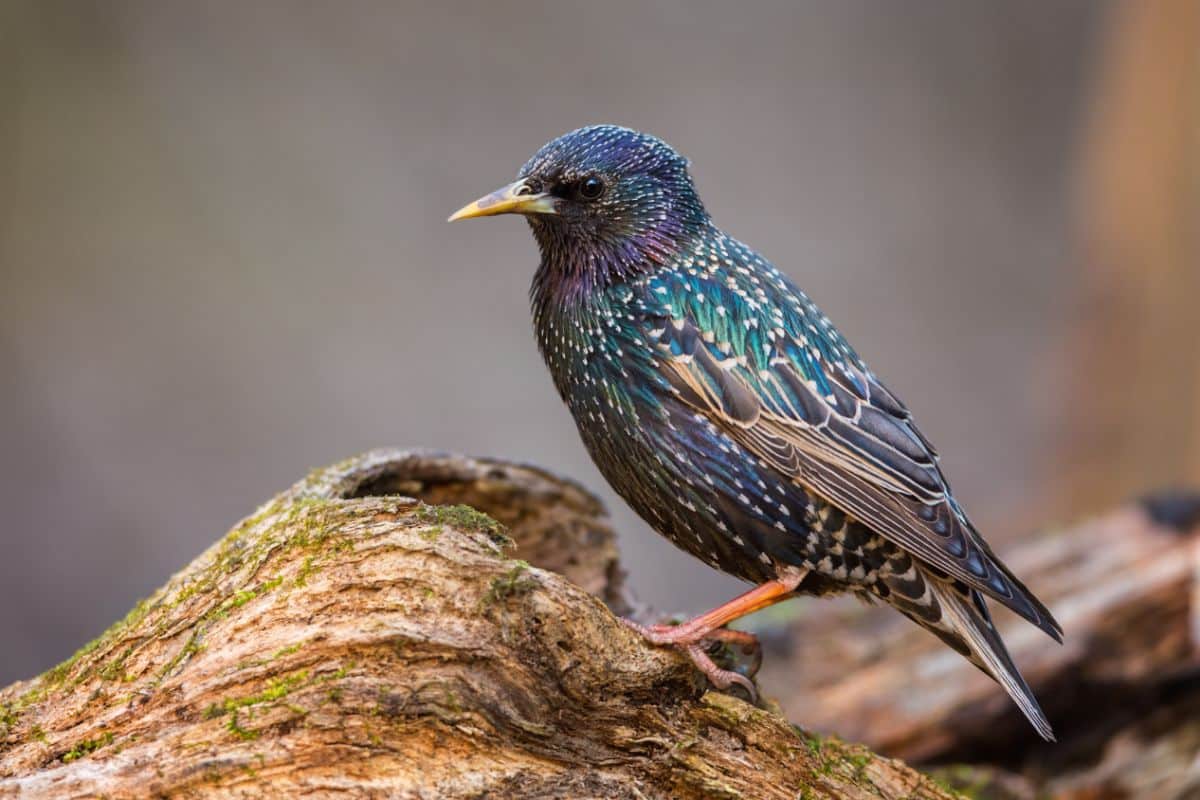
(832, 427)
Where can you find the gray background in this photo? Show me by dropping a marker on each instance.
(223, 257)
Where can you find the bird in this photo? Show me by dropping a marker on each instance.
(728, 411)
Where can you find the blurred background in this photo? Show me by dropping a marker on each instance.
(223, 256)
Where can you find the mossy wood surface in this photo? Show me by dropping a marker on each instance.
(349, 639)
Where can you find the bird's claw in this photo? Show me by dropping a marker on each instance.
(695, 644)
(720, 678)
(750, 646)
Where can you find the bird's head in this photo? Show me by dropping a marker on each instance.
(603, 202)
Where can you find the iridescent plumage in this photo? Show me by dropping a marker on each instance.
(727, 410)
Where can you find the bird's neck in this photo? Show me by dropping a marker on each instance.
(580, 267)
(567, 296)
(578, 292)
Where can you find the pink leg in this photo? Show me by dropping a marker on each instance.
(691, 636)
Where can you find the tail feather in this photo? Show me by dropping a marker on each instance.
(965, 618)
(958, 615)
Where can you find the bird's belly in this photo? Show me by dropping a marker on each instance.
(713, 500)
(648, 487)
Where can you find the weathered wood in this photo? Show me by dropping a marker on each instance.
(1123, 692)
(347, 640)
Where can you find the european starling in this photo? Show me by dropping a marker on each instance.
(730, 413)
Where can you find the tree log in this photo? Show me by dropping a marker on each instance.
(367, 634)
(1123, 692)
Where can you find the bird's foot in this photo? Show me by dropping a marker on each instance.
(748, 642)
(696, 636)
(696, 643)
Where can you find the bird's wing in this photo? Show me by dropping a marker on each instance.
(760, 360)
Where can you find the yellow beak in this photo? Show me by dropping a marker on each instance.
(516, 198)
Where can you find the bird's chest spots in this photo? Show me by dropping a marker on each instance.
(599, 359)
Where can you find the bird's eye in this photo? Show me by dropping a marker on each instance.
(591, 188)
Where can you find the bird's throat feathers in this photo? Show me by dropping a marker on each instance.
(579, 265)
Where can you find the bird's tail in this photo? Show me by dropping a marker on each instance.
(965, 624)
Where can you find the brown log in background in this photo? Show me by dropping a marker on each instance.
(350, 640)
(1123, 692)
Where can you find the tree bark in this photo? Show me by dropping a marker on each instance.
(369, 633)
